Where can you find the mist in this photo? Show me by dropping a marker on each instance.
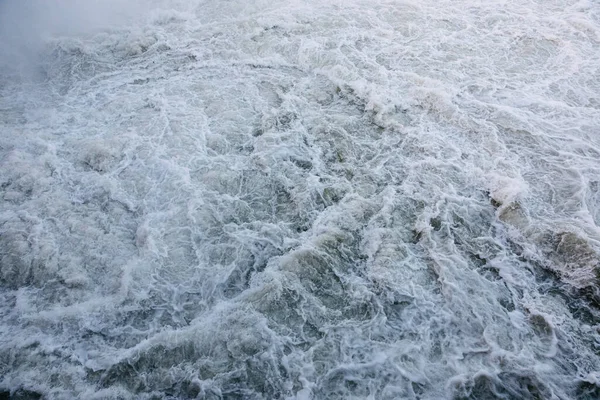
(25, 26)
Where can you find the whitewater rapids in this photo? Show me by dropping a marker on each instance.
(300, 200)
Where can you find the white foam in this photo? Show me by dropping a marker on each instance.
(373, 199)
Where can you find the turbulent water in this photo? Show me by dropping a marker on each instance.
(301, 200)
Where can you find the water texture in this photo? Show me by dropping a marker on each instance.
(300, 200)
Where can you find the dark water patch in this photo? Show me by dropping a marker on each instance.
(587, 390)
(504, 386)
(20, 394)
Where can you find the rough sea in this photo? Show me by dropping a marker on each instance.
(300, 199)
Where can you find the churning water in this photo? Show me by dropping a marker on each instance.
(300, 200)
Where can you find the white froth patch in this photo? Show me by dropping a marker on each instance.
(100, 155)
(505, 190)
(433, 95)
